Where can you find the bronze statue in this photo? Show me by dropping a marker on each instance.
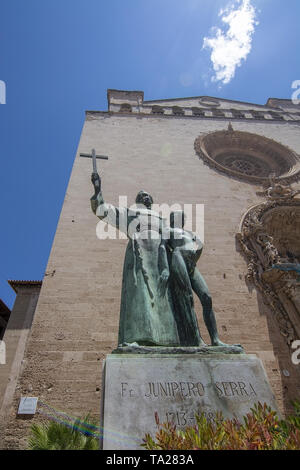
(159, 276)
(146, 315)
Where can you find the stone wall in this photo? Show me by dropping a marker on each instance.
(76, 322)
(15, 338)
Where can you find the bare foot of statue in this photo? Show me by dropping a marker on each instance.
(218, 342)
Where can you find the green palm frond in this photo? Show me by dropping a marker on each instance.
(54, 435)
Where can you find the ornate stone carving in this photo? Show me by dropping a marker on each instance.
(267, 237)
(245, 164)
(209, 102)
(277, 191)
(249, 157)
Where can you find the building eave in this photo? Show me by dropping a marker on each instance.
(14, 284)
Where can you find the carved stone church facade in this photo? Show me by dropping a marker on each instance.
(242, 161)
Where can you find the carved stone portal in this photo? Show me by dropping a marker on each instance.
(269, 237)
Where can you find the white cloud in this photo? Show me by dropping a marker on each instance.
(231, 44)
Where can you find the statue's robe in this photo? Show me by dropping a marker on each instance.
(146, 317)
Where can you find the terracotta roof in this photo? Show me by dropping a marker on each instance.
(15, 284)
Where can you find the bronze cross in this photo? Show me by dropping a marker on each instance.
(94, 156)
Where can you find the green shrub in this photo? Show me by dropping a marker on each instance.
(261, 430)
(52, 435)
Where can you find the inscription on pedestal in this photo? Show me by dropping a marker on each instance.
(140, 390)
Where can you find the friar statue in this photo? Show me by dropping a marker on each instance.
(146, 315)
(159, 276)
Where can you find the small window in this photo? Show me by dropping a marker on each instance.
(237, 114)
(218, 113)
(157, 109)
(125, 108)
(178, 111)
(258, 115)
(276, 115)
(198, 112)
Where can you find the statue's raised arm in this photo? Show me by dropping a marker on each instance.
(97, 198)
(116, 216)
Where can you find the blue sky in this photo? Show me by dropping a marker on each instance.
(57, 59)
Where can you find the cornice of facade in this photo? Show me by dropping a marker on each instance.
(131, 103)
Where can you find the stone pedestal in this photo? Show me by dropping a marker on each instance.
(175, 386)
